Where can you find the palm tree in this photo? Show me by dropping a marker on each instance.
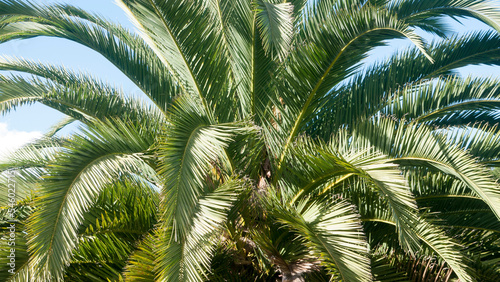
(266, 150)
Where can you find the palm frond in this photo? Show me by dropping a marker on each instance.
(479, 139)
(124, 212)
(333, 233)
(163, 26)
(315, 68)
(367, 94)
(141, 265)
(423, 13)
(124, 49)
(81, 99)
(452, 101)
(72, 184)
(275, 22)
(188, 258)
(411, 146)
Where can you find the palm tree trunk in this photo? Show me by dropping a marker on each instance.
(289, 276)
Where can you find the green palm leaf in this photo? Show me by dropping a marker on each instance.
(72, 186)
(333, 233)
(266, 149)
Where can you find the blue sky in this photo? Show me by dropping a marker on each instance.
(30, 121)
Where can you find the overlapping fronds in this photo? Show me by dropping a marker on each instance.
(417, 145)
(124, 49)
(423, 13)
(454, 101)
(71, 185)
(275, 22)
(379, 88)
(265, 150)
(332, 232)
(338, 46)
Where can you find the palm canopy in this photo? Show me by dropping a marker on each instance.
(265, 151)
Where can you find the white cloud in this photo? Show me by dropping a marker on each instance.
(11, 139)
